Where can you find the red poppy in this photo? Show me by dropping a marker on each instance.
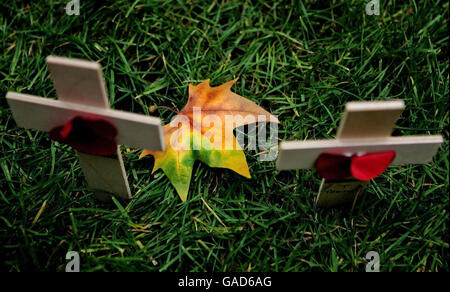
(362, 167)
(88, 135)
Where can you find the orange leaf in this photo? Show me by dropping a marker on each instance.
(202, 131)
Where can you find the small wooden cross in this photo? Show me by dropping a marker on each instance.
(81, 92)
(366, 128)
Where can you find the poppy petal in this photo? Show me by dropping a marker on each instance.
(65, 131)
(99, 127)
(371, 165)
(100, 146)
(88, 135)
(333, 166)
(55, 134)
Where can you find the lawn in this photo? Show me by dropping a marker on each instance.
(300, 60)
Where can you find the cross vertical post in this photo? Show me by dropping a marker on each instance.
(360, 121)
(82, 82)
(365, 128)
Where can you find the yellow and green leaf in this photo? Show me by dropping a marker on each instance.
(205, 143)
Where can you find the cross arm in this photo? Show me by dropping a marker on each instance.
(410, 149)
(38, 113)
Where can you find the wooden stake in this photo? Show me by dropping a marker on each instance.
(81, 92)
(365, 128)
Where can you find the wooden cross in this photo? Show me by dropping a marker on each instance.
(81, 92)
(366, 128)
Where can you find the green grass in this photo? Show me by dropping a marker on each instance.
(301, 60)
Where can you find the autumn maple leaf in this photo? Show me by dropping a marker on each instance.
(200, 132)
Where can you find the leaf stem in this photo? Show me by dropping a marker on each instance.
(154, 108)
